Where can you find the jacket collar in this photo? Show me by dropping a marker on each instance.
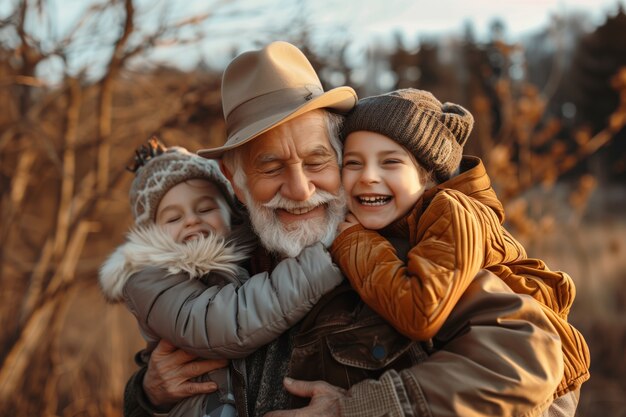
(472, 181)
(151, 247)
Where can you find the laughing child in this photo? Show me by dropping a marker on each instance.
(424, 220)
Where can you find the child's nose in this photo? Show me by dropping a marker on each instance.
(370, 174)
(192, 218)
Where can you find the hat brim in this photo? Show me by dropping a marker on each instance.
(340, 100)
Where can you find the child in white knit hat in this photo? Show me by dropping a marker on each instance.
(424, 220)
(184, 210)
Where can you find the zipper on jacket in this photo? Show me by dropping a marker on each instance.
(242, 387)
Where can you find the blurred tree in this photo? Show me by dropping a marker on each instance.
(549, 54)
(480, 89)
(598, 59)
(430, 68)
(405, 64)
(418, 69)
(64, 144)
(328, 58)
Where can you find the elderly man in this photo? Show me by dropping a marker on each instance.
(496, 355)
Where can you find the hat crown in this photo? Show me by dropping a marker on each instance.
(276, 67)
(454, 117)
(264, 88)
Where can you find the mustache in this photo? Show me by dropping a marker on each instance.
(290, 240)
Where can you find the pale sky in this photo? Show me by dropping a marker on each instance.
(243, 24)
(363, 21)
(440, 16)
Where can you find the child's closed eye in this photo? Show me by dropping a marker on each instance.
(392, 161)
(351, 163)
(206, 209)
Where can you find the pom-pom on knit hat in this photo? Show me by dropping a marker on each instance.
(434, 133)
(158, 169)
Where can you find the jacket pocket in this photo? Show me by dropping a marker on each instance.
(372, 347)
(354, 348)
(344, 355)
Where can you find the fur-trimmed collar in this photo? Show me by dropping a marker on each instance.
(151, 247)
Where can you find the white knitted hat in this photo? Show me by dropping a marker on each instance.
(158, 169)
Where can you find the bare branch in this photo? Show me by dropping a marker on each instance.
(65, 271)
(106, 98)
(93, 10)
(19, 358)
(30, 81)
(35, 288)
(69, 165)
(19, 183)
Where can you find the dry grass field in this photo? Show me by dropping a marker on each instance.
(594, 253)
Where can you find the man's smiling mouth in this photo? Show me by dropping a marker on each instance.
(300, 210)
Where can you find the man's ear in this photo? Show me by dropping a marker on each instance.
(229, 177)
(225, 171)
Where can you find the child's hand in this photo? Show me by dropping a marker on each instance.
(349, 221)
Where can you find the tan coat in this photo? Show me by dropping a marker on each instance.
(454, 231)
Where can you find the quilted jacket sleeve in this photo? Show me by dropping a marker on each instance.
(498, 356)
(230, 321)
(455, 237)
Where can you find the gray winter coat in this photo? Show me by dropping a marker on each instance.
(240, 313)
(232, 315)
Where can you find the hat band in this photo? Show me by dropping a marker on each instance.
(270, 104)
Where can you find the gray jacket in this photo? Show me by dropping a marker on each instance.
(230, 316)
(234, 314)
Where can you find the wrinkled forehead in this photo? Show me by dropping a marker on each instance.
(305, 135)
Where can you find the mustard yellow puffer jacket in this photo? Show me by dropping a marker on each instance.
(454, 230)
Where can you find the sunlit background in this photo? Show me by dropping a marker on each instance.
(83, 83)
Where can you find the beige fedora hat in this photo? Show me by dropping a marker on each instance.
(264, 88)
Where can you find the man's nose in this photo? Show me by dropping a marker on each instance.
(298, 185)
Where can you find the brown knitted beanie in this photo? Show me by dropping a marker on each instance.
(433, 132)
(158, 169)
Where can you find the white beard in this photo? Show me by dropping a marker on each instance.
(289, 240)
